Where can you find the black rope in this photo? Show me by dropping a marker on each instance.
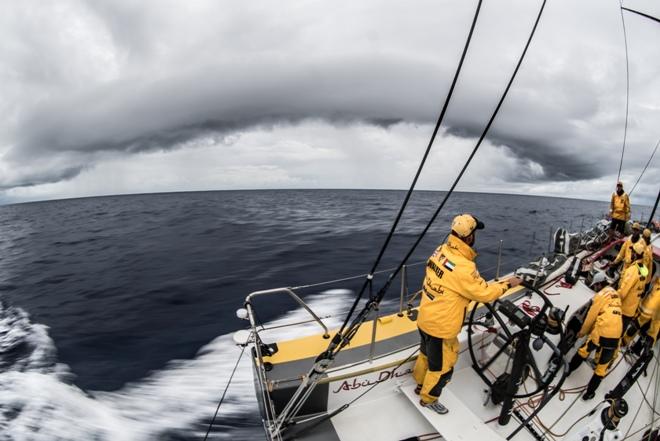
(625, 127)
(417, 174)
(381, 293)
(644, 169)
(217, 409)
(655, 206)
(642, 14)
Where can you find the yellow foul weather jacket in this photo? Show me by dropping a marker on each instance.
(631, 287)
(620, 207)
(451, 282)
(650, 310)
(625, 254)
(647, 260)
(604, 316)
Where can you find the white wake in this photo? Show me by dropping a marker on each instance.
(38, 403)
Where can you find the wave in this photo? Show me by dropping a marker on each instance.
(38, 401)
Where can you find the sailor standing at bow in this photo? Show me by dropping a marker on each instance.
(451, 283)
(619, 209)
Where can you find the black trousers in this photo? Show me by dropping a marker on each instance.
(618, 225)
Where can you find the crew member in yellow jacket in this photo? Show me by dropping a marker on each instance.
(619, 209)
(647, 321)
(451, 283)
(648, 255)
(625, 253)
(604, 326)
(632, 283)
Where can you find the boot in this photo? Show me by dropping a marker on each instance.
(591, 387)
(575, 363)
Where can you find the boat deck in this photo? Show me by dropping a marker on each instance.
(395, 414)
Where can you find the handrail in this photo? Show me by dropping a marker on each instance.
(294, 297)
(359, 276)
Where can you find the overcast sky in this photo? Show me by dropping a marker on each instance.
(106, 97)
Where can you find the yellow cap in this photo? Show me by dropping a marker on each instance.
(636, 226)
(639, 247)
(465, 224)
(646, 233)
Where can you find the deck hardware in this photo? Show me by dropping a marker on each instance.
(372, 347)
(404, 288)
(499, 261)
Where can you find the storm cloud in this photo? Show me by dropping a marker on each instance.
(94, 83)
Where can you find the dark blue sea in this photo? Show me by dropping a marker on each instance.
(116, 313)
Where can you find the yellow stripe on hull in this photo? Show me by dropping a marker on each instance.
(389, 326)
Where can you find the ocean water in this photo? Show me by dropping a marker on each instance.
(116, 313)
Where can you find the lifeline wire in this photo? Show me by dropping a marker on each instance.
(224, 393)
(625, 127)
(419, 170)
(645, 167)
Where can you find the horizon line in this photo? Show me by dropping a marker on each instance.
(295, 189)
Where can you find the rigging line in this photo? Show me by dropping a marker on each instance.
(655, 390)
(224, 393)
(549, 429)
(642, 14)
(625, 127)
(643, 427)
(644, 169)
(382, 291)
(640, 403)
(419, 170)
(655, 396)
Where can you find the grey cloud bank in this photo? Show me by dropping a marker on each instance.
(97, 85)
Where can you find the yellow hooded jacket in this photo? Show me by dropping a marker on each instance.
(631, 287)
(451, 282)
(604, 316)
(650, 310)
(625, 254)
(647, 260)
(620, 206)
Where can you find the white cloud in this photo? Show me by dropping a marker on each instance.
(160, 96)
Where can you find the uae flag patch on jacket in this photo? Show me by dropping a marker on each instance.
(448, 264)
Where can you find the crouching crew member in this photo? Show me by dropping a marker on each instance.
(604, 325)
(625, 253)
(632, 283)
(647, 321)
(648, 255)
(451, 282)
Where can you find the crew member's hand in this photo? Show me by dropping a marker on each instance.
(514, 281)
